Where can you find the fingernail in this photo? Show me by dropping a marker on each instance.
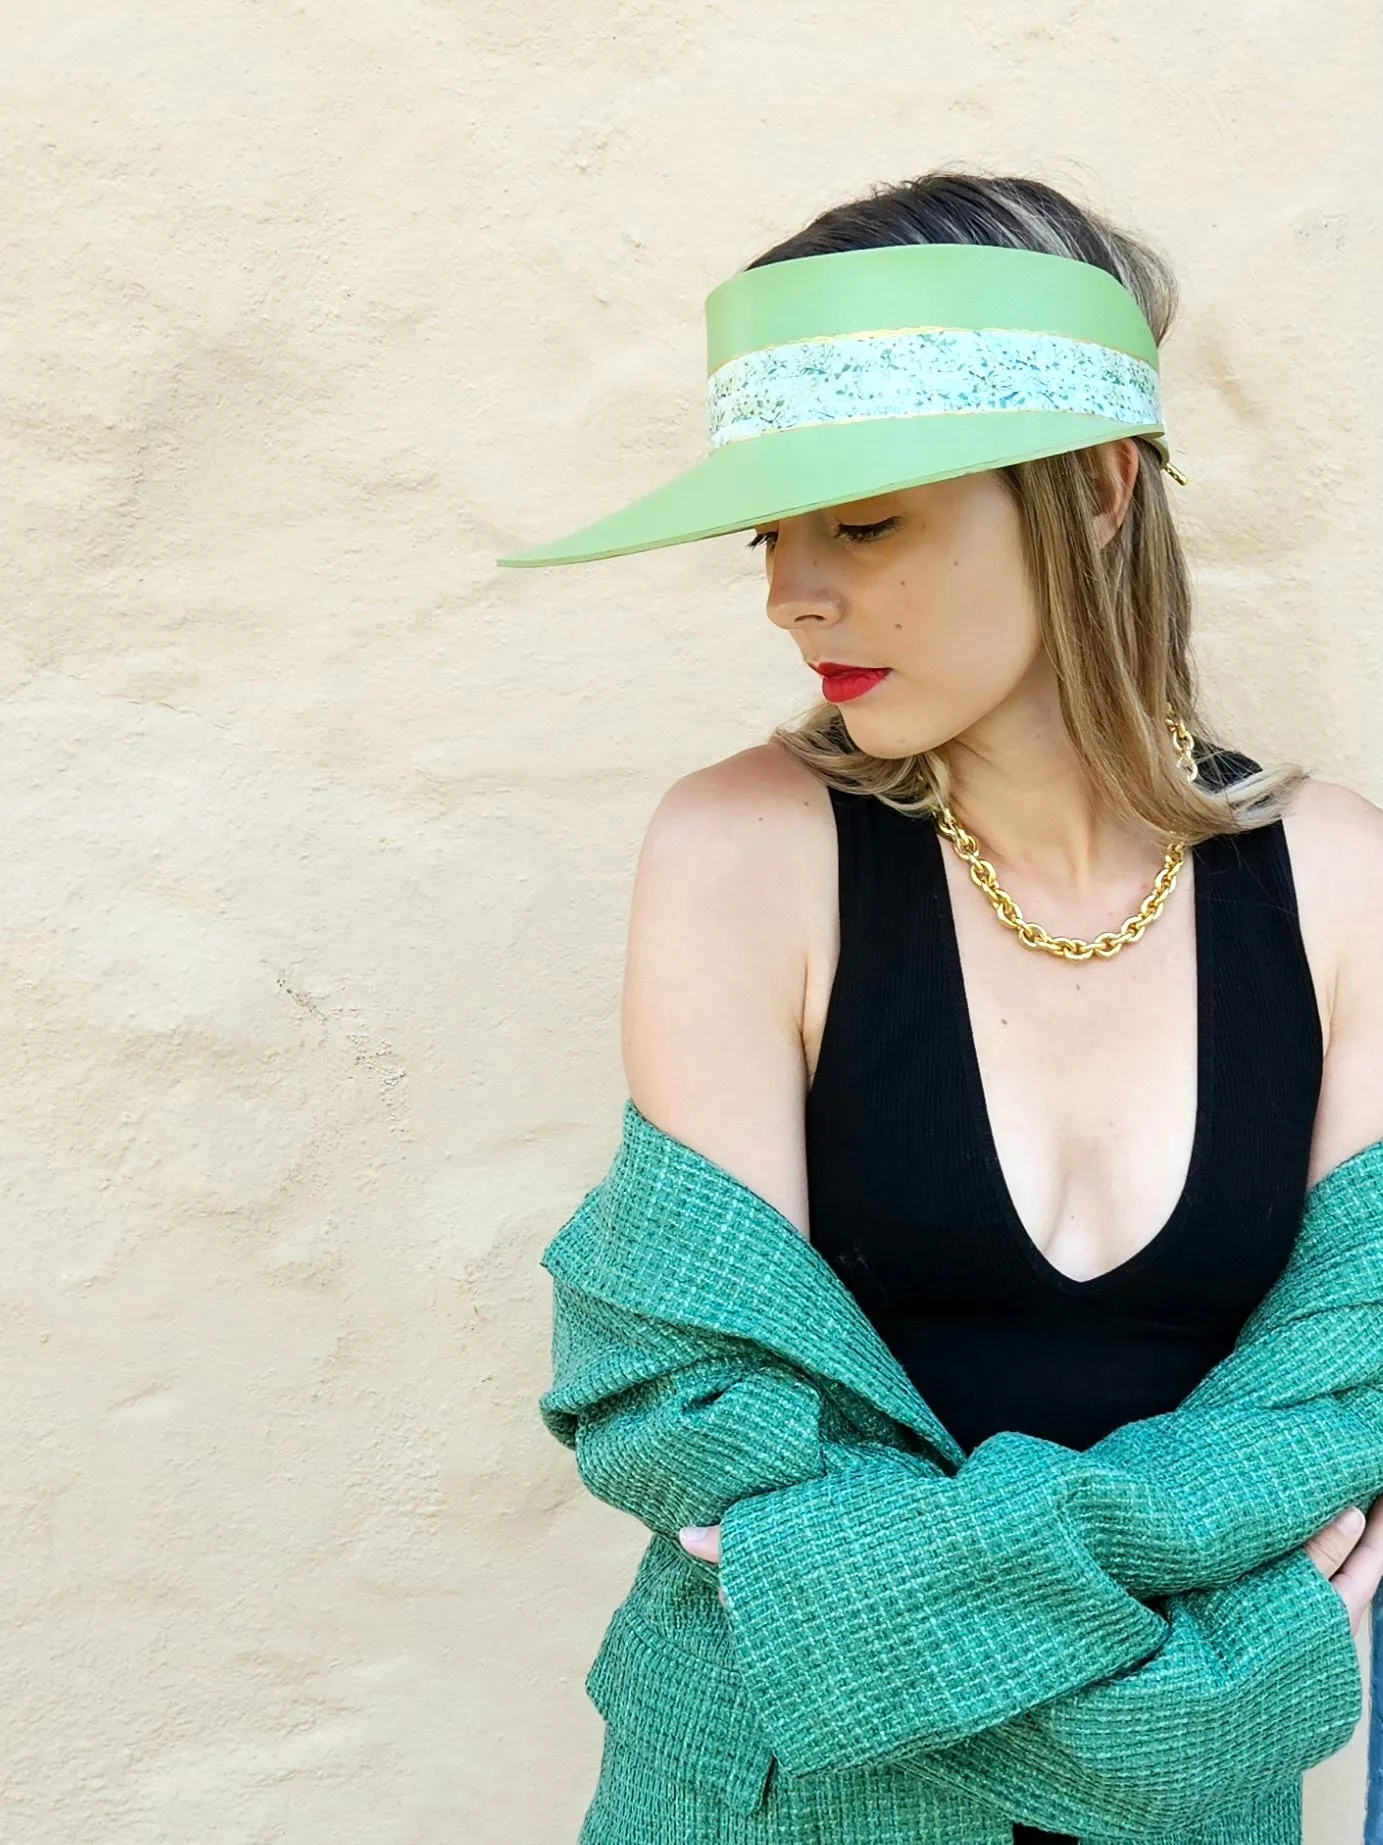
(693, 1533)
(1351, 1519)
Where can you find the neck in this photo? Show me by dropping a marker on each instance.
(1018, 786)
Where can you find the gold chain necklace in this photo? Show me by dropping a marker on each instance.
(1033, 935)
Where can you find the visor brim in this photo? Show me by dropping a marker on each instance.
(776, 476)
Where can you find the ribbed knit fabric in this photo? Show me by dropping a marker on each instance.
(908, 1201)
(907, 1198)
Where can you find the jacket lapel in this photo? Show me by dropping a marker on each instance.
(670, 1234)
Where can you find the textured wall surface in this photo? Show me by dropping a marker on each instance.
(318, 829)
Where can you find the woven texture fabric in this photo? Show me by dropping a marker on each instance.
(1124, 1643)
(632, 1800)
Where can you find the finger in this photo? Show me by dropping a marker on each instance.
(1330, 1547)
(1367, 1556)
(1357, 1579)
(701, 1541)
(1354, 1591)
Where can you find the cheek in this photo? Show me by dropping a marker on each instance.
(977, 624)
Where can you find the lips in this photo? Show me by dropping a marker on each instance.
(840, 682)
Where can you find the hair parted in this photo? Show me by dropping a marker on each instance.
(1115, 620)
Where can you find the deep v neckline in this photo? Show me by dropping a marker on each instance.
(1165, 1237)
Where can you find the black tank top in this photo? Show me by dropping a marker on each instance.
(907, 1199)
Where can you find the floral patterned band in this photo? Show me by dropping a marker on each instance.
(925, 371)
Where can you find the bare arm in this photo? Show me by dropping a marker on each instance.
(1336, 841)
(716, 969)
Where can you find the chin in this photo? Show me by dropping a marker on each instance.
(885, 742)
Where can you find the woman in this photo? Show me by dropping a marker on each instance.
(973, 975)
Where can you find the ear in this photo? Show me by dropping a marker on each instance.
(1117, 470)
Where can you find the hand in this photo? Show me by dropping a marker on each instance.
(704, 1541)
(1349, 1555)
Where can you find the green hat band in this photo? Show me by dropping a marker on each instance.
(925, 372)
(840, 377)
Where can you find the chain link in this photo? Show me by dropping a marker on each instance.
(1033, 935)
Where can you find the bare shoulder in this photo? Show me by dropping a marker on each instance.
(719, 929)
(1336, 812)
(1335, 837)
(760, 821)
(755, 785)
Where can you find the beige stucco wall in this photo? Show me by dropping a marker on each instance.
(318, 829)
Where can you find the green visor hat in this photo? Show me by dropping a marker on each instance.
(833, 378)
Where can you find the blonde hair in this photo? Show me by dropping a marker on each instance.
(1114, 619)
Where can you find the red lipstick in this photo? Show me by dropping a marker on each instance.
(840, 683)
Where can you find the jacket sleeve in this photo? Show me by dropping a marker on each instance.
(1243, 1686)
(674, 1426)
(1253, 1683)
(1062, 1698)
(885, 1604)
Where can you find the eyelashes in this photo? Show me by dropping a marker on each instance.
(857, 534)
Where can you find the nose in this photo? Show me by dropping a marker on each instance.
(803, 589)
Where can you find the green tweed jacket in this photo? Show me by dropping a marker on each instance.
(920, 1647)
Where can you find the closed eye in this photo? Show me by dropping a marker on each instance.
(857, 534)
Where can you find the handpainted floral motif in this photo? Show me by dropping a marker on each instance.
(850, 377)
